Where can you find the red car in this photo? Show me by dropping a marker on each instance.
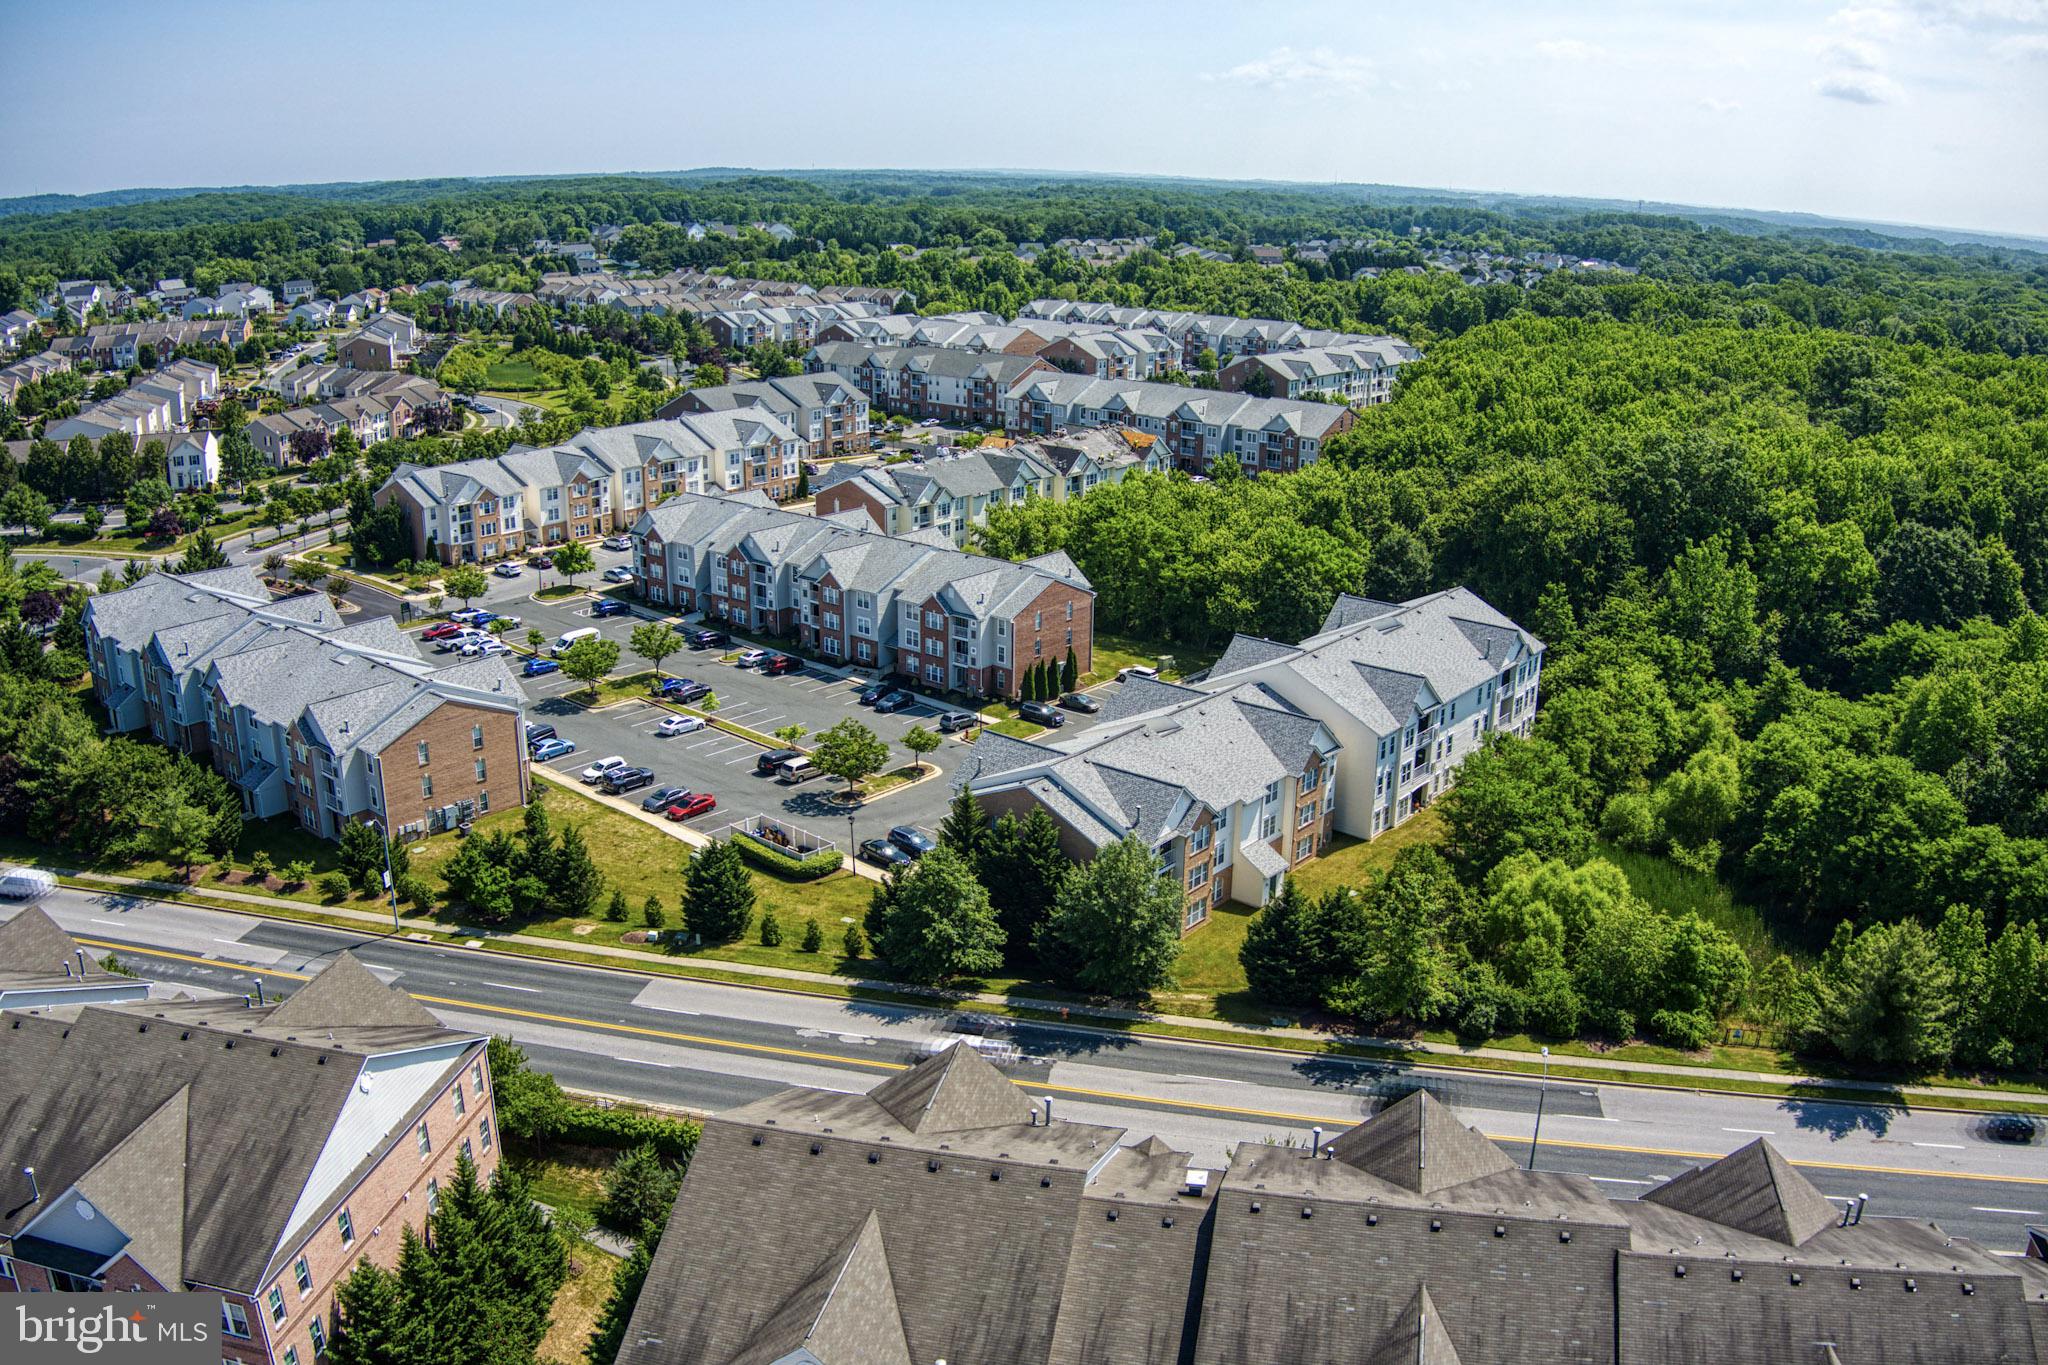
(783, 663)
(696, 805)
(441, 631)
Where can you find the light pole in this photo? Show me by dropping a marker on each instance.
(1542, 1090)
(392, 887)
(850, 846)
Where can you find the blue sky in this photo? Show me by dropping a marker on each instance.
(1919, 111)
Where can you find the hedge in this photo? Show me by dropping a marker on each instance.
(586, 1126)
(769, 858)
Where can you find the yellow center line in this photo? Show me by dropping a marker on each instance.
(805, 1054)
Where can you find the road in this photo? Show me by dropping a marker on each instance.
(709, 1046)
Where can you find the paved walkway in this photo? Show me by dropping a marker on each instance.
(1069, 1012)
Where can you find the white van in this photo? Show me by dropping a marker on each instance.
(797, 770)
(26, 883)
(569, 638)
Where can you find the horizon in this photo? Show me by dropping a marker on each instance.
(1901, 113)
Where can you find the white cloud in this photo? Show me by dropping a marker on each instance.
(1858, 87)
(2023, 47)
(1857, 54)
(1570, 50)
(1720, 106)
(1285, 66)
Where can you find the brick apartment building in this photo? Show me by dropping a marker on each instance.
(154, 1171)
(1194, 426)
(938, 1217)
(965, 388)
(1359, 374)
(306, 715)
(829, 414)
(597, 483)
(951, 620)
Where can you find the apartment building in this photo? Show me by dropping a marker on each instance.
(952, 493)
(951, 620)
(1195, 426)
(830, 414)
(966, 388)
(18, 327)
(1101, 349)
(1358, 374)
(1231, 790)
(305, 714)
(192, 461)
(386, 342)
(817, 1226)
(1224, 336)
(137, 1157)
(1409, 689)
(596, 483)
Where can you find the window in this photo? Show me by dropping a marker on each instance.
(423, 753)
(433, 1196)
(291, 1355)
(483, 1131)
(427, 784)
(1070, 611)
(319, 1337)
(346, 1226)
(233, 1320)
(1038, 620)
(1198, 842)
(476, 1076)
(476, 736)
(483, 803)
(479, 770)
(467, 1155)
(461, 1105)
(1308, 816)
(426, 1142)
(6, 1268)
(1198, 877)
(275, 1298)
(303, 1274)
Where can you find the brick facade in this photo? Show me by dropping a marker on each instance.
(453, 753)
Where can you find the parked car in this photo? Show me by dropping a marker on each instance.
(618, 573)
(484, 649)
(1042, 713)
(596, 771)
(26, 884)
(892, 702)
(766, 764)
(869, 696)
(783, 663)
(509, 619)
(469, 616)
(882, 853)
(464, 635)
(1137, 671)
(542, 561)
(693, 806)
(680, 725)
(618, 542)
(508, 569)
(797, 770)
(912, 840)
(535, 667)
(441, 630)
(683, 690)
(661, 798)
(750, 657)
(811, 468)
(1080, 701)
(705, 639)
(619, 781)
(548, 750)
(610, 607)
(538, 730)
(957, 720)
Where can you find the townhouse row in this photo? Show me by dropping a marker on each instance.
(596, 483)
(1103, 349)
(1196, 427)
(374, 405)
(841, 588)
(830, 414)
(157, 404)
(306, 715)
(1241, 777)
(150, 1142)
(118, 345)
(1227, 337)
(951, 493)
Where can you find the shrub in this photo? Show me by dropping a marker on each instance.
(261, 869)
(652, 915)
(333, 885)
(766, 856)
(639, 1191)
(1689, 1029)
(415, 890)
(771, 931)
(1629, 821)
(615, 909)
(855, 942)
(814, 937)
(297, 872)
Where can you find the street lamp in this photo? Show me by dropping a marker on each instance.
(390, 886)
(849, 835)
(1542, 1090)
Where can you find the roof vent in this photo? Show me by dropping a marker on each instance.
(1197, 1182)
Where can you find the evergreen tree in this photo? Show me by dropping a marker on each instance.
(651, 914)
(814, 937)
(963, 829)
(1022, 865)
(202, 554)
(362, 855)
(1070, 671)
(578, 881)
(615, 909)
(638, 1192)
(771, 930)
(854, 943)
(368, 1327)
(1275, 954)
(718, 893)
(1115, 925)
(1886, 997)
(1403, 970)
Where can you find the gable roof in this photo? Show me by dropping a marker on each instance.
(1752, 1189)
(845, 1314)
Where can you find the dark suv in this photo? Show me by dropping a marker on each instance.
(782, 663)
(1042, 713)
(705, 639)
(622, 780)
(767, 763)
(682, 690)
(536, 732)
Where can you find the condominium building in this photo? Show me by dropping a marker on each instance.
(1357, 374)
(1196, 426)
(962, 387)
(303, 713)
(938, 1217)
(192, 461)
(1223, 336)
(594, 484)
(950, 620)
(828, 413)
(258, 1151)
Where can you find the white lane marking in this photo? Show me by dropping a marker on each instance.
(1947, 1146)
(234, 941)
(669, 1009)
(730, 761)
(768, 721)
(508, 986)
(1760, 1132)
(665, 1066)
(2018, 1213)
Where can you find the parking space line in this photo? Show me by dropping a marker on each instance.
(769, 721)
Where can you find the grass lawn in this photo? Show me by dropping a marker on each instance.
(1352, 863)
(559, 590)
(1208, 980)
(1677, 890)
(521, 375)
(1114, 652)
(577, 1304)
(1016, 727)
(563, 1176)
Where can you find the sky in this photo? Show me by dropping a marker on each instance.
(1928, 112)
